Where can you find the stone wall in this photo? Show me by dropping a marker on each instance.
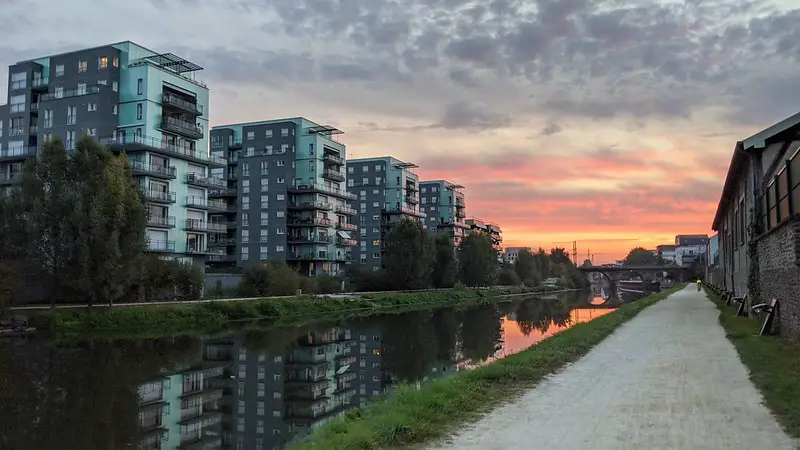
(779, 274)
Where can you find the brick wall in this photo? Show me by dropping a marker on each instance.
(778, 258)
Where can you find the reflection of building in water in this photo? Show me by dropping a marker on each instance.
(181, 410)
(245, 398)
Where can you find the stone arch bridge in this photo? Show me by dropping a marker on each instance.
(613, 274)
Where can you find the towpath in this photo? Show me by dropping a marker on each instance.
(668, 379)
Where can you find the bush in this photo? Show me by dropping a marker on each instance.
(508, 277)
(270, 279)
(168, 279)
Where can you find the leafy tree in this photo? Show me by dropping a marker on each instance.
(543, 264)
(559, 255)
(407, 255)
(640, 256)
(445, 269)
(270, 279)
(477, 259)
(508, 277)
(525, 266)
(366, 280)
(80, 222)
(587, 263)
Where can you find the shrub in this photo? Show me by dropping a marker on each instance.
(270, 279)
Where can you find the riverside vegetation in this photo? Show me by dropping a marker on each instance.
(411, 416)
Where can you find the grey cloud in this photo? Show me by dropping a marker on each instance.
(463, 115)
(550, 129)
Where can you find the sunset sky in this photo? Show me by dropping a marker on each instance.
(607, 122)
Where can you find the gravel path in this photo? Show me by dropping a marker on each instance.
(668, 379)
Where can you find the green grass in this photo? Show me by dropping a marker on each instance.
(409, 416)
(773, 362)
(268, 311)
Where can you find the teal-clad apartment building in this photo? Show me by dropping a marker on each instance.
(134, 100)
(287, 196)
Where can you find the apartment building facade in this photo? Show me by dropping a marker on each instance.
(493, 230)
(285, 194)
(511, 254)
(387, 191)
(146, 104)
(443, 203)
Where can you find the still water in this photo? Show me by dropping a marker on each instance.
(250, 388)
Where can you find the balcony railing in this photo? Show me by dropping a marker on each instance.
(177, 102)
(69, 93)
(33, 129)
(309, 256)
(347, 226)
(312, 238)
(153, 170)
(154, 195)
(195, 201)
(161, 221)
(346, 210)
(311, 222)
(210, 182)
(220, 206)
(10, 179)
(161, 246)
(333, 159)
(181, 127)
(319, 187)
(202, 225)
(334, 175)
(309, 205)
(222, 258)
(227, 192)
(400, 209)
(17, 153)
(34, 107)
(346, 242)
(40, 82)
(132, 142)
(221, 242)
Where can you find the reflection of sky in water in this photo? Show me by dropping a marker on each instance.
(597, 300)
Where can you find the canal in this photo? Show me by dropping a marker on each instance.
(252, 388)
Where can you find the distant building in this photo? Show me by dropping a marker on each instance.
(443, 203)
(511, 254)
(712, 260)
(667, 253)
(491, 229)
(690, 249)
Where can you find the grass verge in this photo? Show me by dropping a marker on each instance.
(411, 416)
(773, 363)
(268, 311)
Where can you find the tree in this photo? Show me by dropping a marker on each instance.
(587, 263)
(80, 222)
(445, 269)
(525, 267)
(270, 279)
(407, 255)
(477, 260)
(559, 255)
(508, 277)
(640, 256)
(543, 264)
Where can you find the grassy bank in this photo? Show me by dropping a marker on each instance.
(774, 364)
(411, 416)
(284, 310)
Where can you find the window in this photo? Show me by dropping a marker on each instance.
(114, 110)
(245, 169)
(279, 248)
(350, 182)
(277, 359)
(102, 82)
(245, 202)
(245, 253)
(245, 236)
(138, 111)
(91, 106)
(264, 236)
(263, 255)
(81, 89)
(280, 214)
(245, 219)
(378, 180)
(276, 395)
(102, 62)
(72, 113)
(264, 167)
(115, 61)
(70, 140)
(279, 197)
(140, 86)
(280, 163)
(17, 103)
(251, 135)
(48, 118)
(378, 167)
(114, 86)
(284, 148)
(260, 408)
(59, 92)
(268, 133)
(350, 169)
(264, 219)
(284, 132)
(59, 70)
(19, 80)
(91, 131)
(245, 186)
(265, 201)
(280, 180)
(82, 66)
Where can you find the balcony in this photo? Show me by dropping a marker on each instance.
(309, 239)
(333, 175)
(321, 188)
(142, 168)
(202, 225)
(310, 222)
(404, 210)
(218, 206)
(161, 246)
(194, 201)
(34, 107)
(226, 192)
(161, 221)
(344, 257)
(222, 258)
(38, 84)
(10, 154)
(412, 199)
(346, 210)
(196, 250)
(133, 143)
(69, 93)
(195, 179)
(347, 242)
(234, 144)
(181, 127)
(10, 179)
(333, 158)
(222, 242)
(309, 256)
(347, 226)
(179, 103)
(309, 205)
(156, 196)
